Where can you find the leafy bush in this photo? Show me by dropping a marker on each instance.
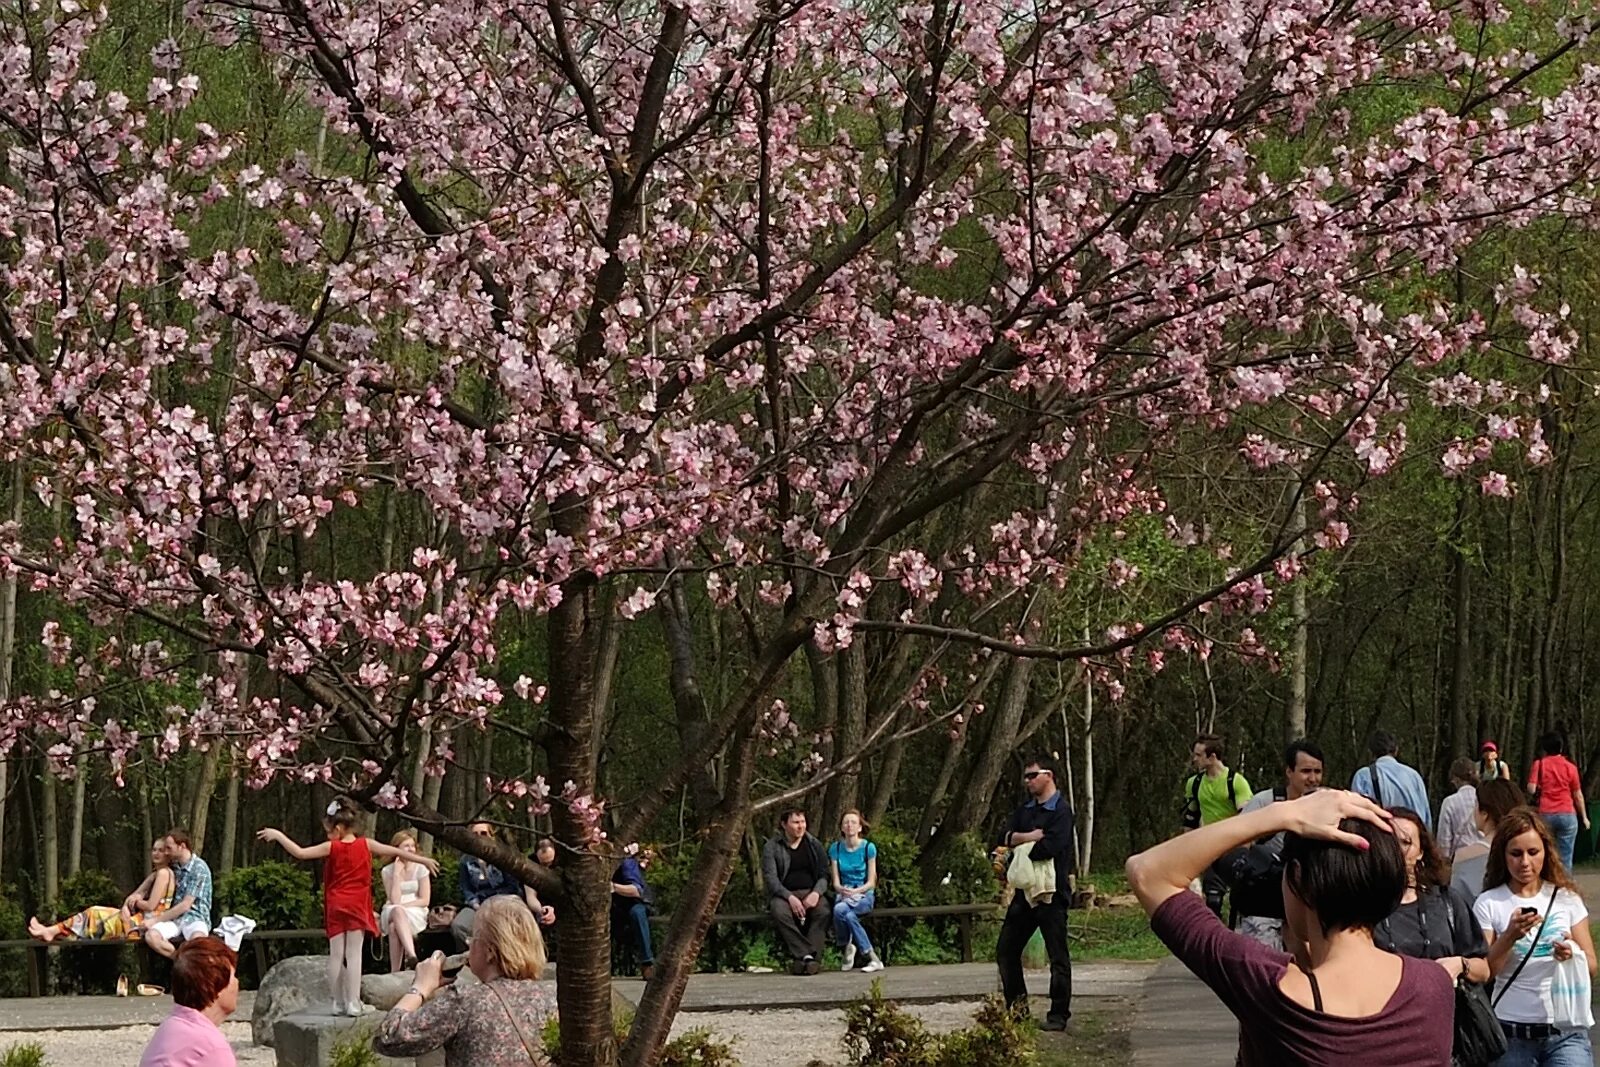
(23, 1054)
(86, 888)
(696, 1048)
(13, 961)
(278, 896)
(91, 970)
(920, 944)
(899, 880)
(968, 875)
(880, 1032)
(354, 1051)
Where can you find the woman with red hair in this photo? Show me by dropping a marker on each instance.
(205, 991)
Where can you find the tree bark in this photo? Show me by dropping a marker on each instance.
(1295, 725)
(843, 790)
(49, 834)
(8, 641)
(688, 700)
(80, 781)
(200, 815)
(230, 819)
(1461, 740)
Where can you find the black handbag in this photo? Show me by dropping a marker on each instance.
(1479, 1040)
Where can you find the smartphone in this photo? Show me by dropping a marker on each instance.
(1527, 911)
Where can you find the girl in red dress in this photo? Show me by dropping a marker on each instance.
(346, 896)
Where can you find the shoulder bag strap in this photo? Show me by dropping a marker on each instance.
(1550, 907)
(515, 1024)
(1377, 790)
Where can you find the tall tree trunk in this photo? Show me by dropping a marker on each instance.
(1086, 813)
(1461, 740)
(422, 784)
(80, 781)
(230, 818)
(825, 705)
(888, 777)
(200, 814)
(49, 834)
(688, 700)
(844, 789)
(1295, 725)
(8, 641)
(934, 808)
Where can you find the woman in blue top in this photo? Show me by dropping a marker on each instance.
(855, 879)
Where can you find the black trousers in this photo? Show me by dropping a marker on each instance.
(1020, 922)
(802, 941)
(1214, 888)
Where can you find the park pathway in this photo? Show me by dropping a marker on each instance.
(1179, 1020)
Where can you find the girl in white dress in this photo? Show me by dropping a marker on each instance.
(406, 888)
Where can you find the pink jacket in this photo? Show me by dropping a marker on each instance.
(187, 1038)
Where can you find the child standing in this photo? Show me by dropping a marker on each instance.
(347, 896)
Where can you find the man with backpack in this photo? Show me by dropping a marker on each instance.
(1255, 874)
(1212, 793)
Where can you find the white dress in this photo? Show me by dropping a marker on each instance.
(404, 898)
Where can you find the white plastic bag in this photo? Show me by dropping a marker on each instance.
(1569, 992)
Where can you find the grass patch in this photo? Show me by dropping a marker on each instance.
(1100, 1037)
(1113, 934)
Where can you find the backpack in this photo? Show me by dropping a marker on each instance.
(1191, 805)
(1254, 875)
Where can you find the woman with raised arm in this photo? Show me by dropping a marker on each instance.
(1339, 999)
(407, 889)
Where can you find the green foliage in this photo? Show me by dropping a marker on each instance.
(919, 944)
(93, 970)
(899, 881)
(968, 874)
(880, 1032)
(698, 1048)
(85, 889)
(13, 961)
(278, 896)
(354, 1050)
(23, 1054)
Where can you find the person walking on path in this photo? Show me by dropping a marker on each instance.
(1212, 793)
(854, 862)
(1257, 885)
(1390, 783)
(1556, 787)
(1458, 825)
(1490, 766)
(479, 880)
(1338, 1001)
(1046, 821)
(205, 991)
(1534, 917)
(1497, 798)
(190, 916)
(346, 896)
(794, 869)
(1433, 921)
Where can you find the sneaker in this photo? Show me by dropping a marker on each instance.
(849, 957)
(357, 1009)
(874, 963)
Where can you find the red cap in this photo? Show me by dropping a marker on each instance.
(1488, 746)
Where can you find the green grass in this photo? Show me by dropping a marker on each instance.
(1113, 934)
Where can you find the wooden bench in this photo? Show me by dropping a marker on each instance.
(37, 951)
(964, 914)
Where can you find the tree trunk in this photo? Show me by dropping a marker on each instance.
(8, 642)
(688, 700)
(1086, 813)
(952, 756)
(230, 819)
(1295, 724)
(200, 815)
(825, 706)
(1461, 740)
(49, 834)
(844, 789)
(888, 778)
(80, 781)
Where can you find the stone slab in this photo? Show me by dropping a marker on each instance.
(23, 1014)
(308, 1039)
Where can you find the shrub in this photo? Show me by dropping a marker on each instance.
(696, 1048)
(996, 1036)
(278, 896)
(84, 889)
(23, 1054)
(880, 1032)
(13, 961)
(354, 1051)
(89, 970)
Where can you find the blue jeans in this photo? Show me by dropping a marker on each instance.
(847, 921)
(1570, 1049)
(1565, 826)
(634, 920)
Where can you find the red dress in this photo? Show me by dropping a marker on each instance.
(347, 888)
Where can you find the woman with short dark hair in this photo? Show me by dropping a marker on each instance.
(1433, 921)
(205, 991)
(1339, 999)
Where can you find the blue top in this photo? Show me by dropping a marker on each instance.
(1399, 786)
(852, 864)
(481, 880)
(193, 879)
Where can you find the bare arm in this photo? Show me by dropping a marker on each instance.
(180, 908)
(389, 852)
(424, 889)
(872, 874)
(318, 851)
(1585, 939)
(625, 889)
(1583, 808)
(141, 897)
(160, 887)
(1162, 872)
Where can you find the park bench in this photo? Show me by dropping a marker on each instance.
(964, 914)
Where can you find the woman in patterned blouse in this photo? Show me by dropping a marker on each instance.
(497, 1021)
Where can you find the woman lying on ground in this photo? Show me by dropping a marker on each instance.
(102, 923)
(1339, 999)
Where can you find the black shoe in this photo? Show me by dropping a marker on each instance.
(798, 967)
(812, 965)
(1054, 1023)
(647, 971)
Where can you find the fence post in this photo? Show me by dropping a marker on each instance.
(964, 923)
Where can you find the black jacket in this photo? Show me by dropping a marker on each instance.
(1059, 842)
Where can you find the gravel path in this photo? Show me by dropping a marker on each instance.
(767, 1038)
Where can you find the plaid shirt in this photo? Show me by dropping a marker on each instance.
(194, 879)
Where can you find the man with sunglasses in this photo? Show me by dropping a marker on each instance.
(1045, 821)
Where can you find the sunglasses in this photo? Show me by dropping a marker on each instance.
(1031, 775)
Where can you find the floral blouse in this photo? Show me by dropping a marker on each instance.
(474, 1026)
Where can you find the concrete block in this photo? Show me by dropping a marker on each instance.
(307, 1039)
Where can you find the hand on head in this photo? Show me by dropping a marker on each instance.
(1318, 815)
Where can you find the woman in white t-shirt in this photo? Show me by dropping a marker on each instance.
(407, 888)
(1524, 881)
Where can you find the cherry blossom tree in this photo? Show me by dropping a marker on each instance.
(747, 301)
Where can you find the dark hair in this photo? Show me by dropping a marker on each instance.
(1515, 824)
(1382, 743)
(1431, 870)
(1291, 753)
(1498, 798)
(783, 819)
(1212, 743)
(1551, 744)
(179, 836)
(201, 970)
(539, 847)
(1464, 771)
(343, 815)
(1043, 762)
(1347, 888)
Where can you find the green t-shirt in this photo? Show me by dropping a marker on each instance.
(1215, 803)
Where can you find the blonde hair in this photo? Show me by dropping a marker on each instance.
(402, 835)
(511, 934)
